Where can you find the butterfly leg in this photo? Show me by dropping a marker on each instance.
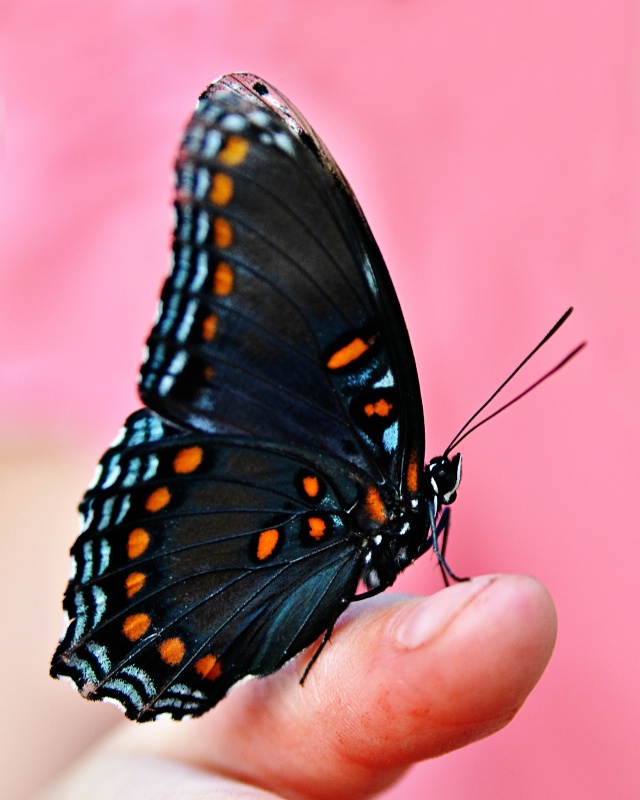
(369, 593)
(442, 527)
(314, 657)
(320, 648)
(329, 631)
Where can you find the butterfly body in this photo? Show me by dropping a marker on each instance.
(279, 462)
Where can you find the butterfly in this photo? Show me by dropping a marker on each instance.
(278, 466)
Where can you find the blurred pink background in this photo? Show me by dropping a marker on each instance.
(495, 150)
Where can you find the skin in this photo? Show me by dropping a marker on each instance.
(402, 680)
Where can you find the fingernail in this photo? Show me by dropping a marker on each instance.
(429, 618)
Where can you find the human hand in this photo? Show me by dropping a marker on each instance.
(402, 680)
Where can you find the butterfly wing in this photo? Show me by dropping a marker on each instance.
(279, 319)
(203, 559)
(224, 540)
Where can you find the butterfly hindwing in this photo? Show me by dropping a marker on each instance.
(202, 560)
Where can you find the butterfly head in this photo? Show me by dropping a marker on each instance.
(443, 475)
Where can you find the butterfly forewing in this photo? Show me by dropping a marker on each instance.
(279, 317)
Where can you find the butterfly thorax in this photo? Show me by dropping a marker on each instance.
(396, 530)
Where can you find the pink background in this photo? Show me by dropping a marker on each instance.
(494, 149)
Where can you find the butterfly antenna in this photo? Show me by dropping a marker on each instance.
(466, 429)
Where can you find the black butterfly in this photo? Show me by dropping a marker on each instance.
(281, 458)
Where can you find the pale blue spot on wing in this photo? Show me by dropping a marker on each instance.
(202, 183)
(212, 144)
(193, 138)
(203, 227)
(390, 438)
(170, 315)
(99, 604)
(186, 178)
(106, 513)
(386, 381)
(124, 508)
(178, 362)
(165, 385)
(105, 556)
(87, 567)
(234, 123)
(183, 266)
(86, 518)
(81, 616)
(259, 118)
(202, 270)
(284, 142)
(187, 321)
(208, 111)
(133, 472)
(153, 462)
(113, 473)
(185, 225)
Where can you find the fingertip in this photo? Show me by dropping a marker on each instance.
(423, 621)
(501, 610)
(470, 655)
(428, 676)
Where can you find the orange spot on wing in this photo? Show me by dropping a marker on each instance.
(317, 528)
(350, 352)
(223, 279)
(234, 152)
(380, 408)
(134, 582)
(221, 189)
(311, 485)
(137, 542)
(187, 460)
(172, 651)
(267, 542)
(209, 327)
(412, 474)
(209, 373)
(135, 626)
(374, 506)
(158, 499)
(208, 667)
(222, 232)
